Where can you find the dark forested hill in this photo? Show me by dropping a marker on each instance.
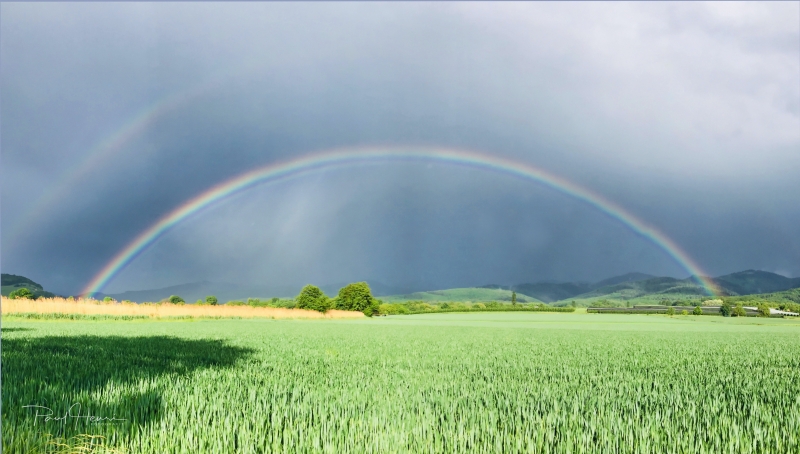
(548, 292)
(11, 282)
(753, 281)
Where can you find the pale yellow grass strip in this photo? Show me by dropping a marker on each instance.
(94, 307)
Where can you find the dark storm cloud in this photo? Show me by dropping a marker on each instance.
(686, 114)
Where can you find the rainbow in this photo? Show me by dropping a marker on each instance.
(345, 157)
(114, 142)
(96, 155)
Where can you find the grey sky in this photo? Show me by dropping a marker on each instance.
(687, 114)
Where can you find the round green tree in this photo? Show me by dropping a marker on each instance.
(175, 299)
(22, 293)
(357, 297)
(697, 310)
(212, 300)
(312, 298)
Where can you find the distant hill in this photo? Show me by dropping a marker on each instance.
(741, 283)
(461, 294)
(666, 287)
(624, 287)
(752, 281)
(549, 291)
(11, 282)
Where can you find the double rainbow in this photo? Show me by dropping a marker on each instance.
(345, 157)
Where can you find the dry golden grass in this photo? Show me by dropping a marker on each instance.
(94, 307)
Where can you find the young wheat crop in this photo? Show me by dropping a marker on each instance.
(516, 382)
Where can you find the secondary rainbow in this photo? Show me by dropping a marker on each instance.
(98, 154)
(116, 141)
(345, 157)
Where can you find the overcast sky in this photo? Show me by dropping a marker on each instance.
(686, 114)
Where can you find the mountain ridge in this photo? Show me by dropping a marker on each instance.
(625, 286)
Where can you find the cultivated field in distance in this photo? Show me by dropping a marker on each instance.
(458, 382)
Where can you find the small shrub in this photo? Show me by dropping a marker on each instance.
(684, 312)
(739, 311)
(175, 299)
(255, 302)
(235, 303)
(697, 310)
(108, 299)
(392, 309)
(670, 310)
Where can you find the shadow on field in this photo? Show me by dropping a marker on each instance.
(107, 376)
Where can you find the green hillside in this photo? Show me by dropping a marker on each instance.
(666, 286)
(461, 294)
(549, 292)
(787, 296)
(620, 290)
(658, 289)
(11, 282)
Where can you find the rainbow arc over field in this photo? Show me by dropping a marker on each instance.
(353, 156)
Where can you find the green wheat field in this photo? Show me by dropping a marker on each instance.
(485, 382)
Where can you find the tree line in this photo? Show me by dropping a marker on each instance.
(352, 297)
